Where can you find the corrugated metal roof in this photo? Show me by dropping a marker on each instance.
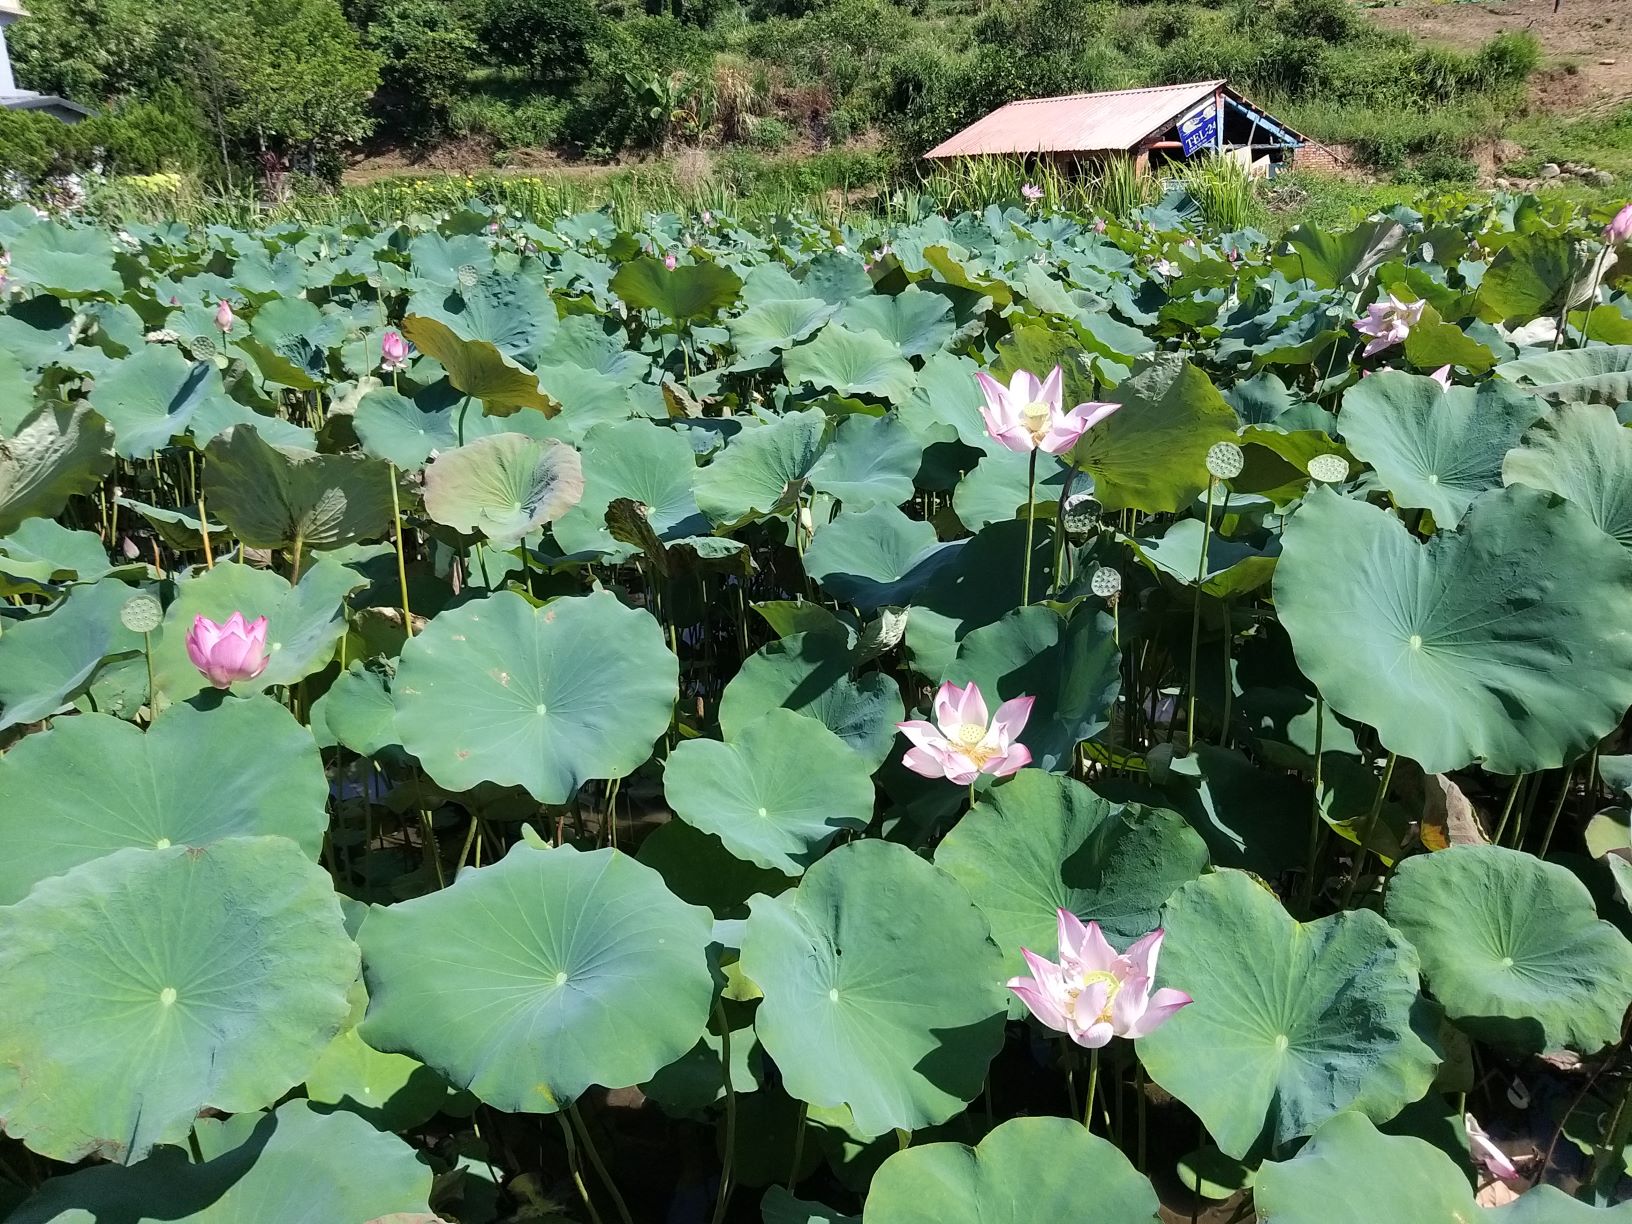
(1076, 123)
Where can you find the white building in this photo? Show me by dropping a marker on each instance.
(14, 98)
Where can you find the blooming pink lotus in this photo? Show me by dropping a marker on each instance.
(962, 743)
(1028, 414)
(229, 652)
(1490, 1157)
(1094, 992)
(1031, 192)
(1389, 322)
(393, 350)
(1620, 229)
(224, 318)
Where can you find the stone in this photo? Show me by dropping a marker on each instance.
(1551, 171)
(1602, 178)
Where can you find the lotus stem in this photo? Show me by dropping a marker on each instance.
(1195, 620)
(798, 1146)
(1093, 1087)
(1139, 1102)
(1068, 1061)
(204, 534)
(723, 1199)
(1370, 829)
(294, 569)
(402, 560)
(1507, 808)
(1315, 822)
(588, 1141)
(1031, 495)
(577, 1171)
(153, 689)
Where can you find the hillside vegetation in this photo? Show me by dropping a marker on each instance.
(277, 86)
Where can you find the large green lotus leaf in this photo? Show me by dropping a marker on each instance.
(147, 985)
(297, 1166)
(876, 557)
(278, 496)
(544, 698)
(1529, 277)
(871, 462)
(1503, 642)
(1550, 1205)
(1292, 1022)
(697, 1080)
(916, 321)
(945, 405)
(769, 326)
(1071, 666)
(217, 414)
(356, 711)
(975, 587)
(1601, 374)
(66, 261)
(1349, 1173)
(1432, 448)
(42, 552)
(392, 1091)
(775, 793)
(479, 369)
(55, 452)
(1513, 948)
(1582, 453)
(883, 989)
(503, 487)
(682, 295)
(47, 659)
(809, 673)
(291, 340)
(513, 313)
(780, 1207)
(93, 784)
(851, 363)
(698, 868)
(1025, 1171)
(1232, 568)
(532, 979)
(150, 397)
(643, 463)
(1434, 343)
(1331, 258)
(996, 489)
(395, 428)
(1040, 843)
(1152, 453)
(303, 622)
(762, 469)
(449, 261)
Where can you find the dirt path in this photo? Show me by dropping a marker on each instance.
(1586, 45)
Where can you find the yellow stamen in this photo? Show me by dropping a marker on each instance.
(1036, 416)
(968, 741)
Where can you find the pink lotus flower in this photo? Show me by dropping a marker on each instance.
(1620, 229)
(1027, 414)
(1094, 992)
(1389, 322)
(1099, 225)
(1488, 1156)
(224, 318)
(393, 350)
(1442, 376)
(229, 652)
(962, 743)
(670, 262)
(1031, 192)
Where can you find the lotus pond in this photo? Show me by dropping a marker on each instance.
(996, 719)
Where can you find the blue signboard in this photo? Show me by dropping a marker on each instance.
(1199, 129)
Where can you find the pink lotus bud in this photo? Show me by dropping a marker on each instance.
(393, 350)
(127, 547)
(224, 318)
(1620, 229)
(229, 652)
(670, 262)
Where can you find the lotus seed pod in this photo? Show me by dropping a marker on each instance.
(1106, 582)
(1225, 460)
(1329, 469)
(1080, 513)
(202, 346)
(141, 614)
(468, 275)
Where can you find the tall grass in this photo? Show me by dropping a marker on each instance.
(1113, 188)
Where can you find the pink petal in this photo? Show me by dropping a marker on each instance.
(922, 734)
(997, 395)
(1061, 435)
(1015, 439)
(1095, 952)
(948, 703)
(1024, 389)
(1142, 955)
(1012, 761)
(926, 762)
(1094, 1037)
(1011, 717)
(960, 769)
(1071, 934)
(1038, 1003)
(971, 706)
(1162, 1007)
(1052, 391)
(1130, 1003)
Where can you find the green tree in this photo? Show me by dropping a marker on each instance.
(426, 55)
(550, 39)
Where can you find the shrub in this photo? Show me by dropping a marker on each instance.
(550, 39)
(427, 55)
(771, 134)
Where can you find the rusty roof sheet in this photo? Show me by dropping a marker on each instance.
(1077, 123)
